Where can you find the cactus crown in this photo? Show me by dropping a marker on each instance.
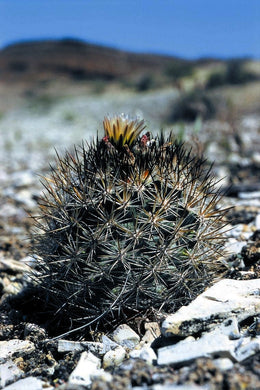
(130, 225)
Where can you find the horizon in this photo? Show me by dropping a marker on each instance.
(75, 39)
(191, 29)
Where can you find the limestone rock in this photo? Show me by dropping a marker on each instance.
(30, 383)
(207, 346)
(87, 366)
(240, 297)
(8, 348)
(114, 357)
(125, 336)
(9, 372)
(71, 346)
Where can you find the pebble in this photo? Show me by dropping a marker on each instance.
(8, 210)
(249, 195)
(73, 346)
(9, 264)
(223, 364)
(152, 331)
(213, 306)
(247, 348)
(9, 372)
(24, 198)
(114, 357)
(145, 353)
(29, 383)
(125, 336)
(233, 246)
(87, 366)
(257, 222)
(22, 178)
(108, 344)
(8, 348)
(230, 328)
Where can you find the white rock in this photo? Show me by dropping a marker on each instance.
(257, 222)
(13, 265)
(8, 348)
(87, 366)
(125, 336)
(205, 347)
(9, 372)
(256, 160)
(145, 353)
(114, 357)
(234, 246)
(108, 344)
(248, 347)
(24, 197)
(249, 195)
(22, 178)
(241, 297)
(152, 331)
(102, 375)
(229, 327)
(68, 346)
(30, 383)
(8, 210)
(223, 364)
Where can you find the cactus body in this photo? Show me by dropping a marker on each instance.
(130, 226)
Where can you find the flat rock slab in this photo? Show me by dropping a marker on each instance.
(8, 348)
(211, 345)
(239, 298)
(29, 383)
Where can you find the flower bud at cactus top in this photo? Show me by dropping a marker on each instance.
(130, 225)
(121, 130)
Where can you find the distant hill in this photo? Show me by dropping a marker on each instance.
(34, 60)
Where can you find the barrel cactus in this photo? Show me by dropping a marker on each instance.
(130, 225)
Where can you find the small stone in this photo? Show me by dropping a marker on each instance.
(72, 346)
(9, 264)
(87, 366)
(114, 357)
(249, 195)
(230, 328)
(152, 331)
(247, 348)
(9, 372)
(8, 210)
(24, 197)
(233, 246)
(8, 348)
(30, 383)
(145, 353)
(12, 288)
(125, 336)
(223, 364)
(22, 179)
(257, 222)
(108, 344)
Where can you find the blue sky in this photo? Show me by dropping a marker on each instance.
(187, 28)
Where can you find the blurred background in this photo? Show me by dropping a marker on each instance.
(191, 66)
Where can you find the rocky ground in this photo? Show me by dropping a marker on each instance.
(214, 343)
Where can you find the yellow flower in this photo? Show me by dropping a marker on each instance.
(121, 129)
